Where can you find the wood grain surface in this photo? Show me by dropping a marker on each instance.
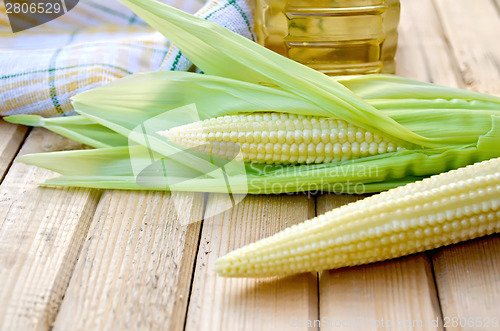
(135, 269)
(468, 279)
(424, 52)
(219, 303)
(41, 233)
(77, 259)
(393, 295)
(468, 275)
(11, 138)
(472, 29)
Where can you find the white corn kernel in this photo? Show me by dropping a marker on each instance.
(263, 137)
(395, 223)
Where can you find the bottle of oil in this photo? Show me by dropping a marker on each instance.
(336, 37)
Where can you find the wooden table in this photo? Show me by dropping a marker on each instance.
(80, 259)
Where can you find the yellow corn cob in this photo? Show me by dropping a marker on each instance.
(448, 208)
(279, 138)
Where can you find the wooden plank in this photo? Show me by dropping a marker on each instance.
(397, 294)
(41, 234)
(468, 275)
(11, 138)
(135, 269)
(401, 291)
(250, 304)
(423, 51)
(472, 30)
(468, 279)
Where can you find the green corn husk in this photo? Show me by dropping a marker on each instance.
(443, 128)
(110, 168)
(77, 128)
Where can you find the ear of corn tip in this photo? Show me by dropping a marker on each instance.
(459, 205)
(280, 138)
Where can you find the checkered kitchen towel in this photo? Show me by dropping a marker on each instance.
(93, 44)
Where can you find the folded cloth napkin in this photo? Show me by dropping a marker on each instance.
(91, 45)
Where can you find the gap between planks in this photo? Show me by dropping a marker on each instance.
(219, 303)
(468, 274)
(410, 293)
(41, 232)
(437, 72)
(403, 290)
(11, 139)
(134, 272)
(399, 292)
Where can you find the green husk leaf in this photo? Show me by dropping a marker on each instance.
(218, 51)
(77, 128)
(133, 99)
(147, 97)
(459, 119)
(105, 161)
(391, 87)
(110, 168)
(454, 127)
(140, 97)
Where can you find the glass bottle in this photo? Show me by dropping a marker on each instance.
(336, 37)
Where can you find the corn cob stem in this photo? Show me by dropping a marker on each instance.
(459, 205)
(280, 138)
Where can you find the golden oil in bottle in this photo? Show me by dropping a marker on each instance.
(336, 37)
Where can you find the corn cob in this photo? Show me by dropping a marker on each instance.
(279, 138)
(448, 208)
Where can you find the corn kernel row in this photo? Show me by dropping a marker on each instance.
(280, 138)
(442, 210)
